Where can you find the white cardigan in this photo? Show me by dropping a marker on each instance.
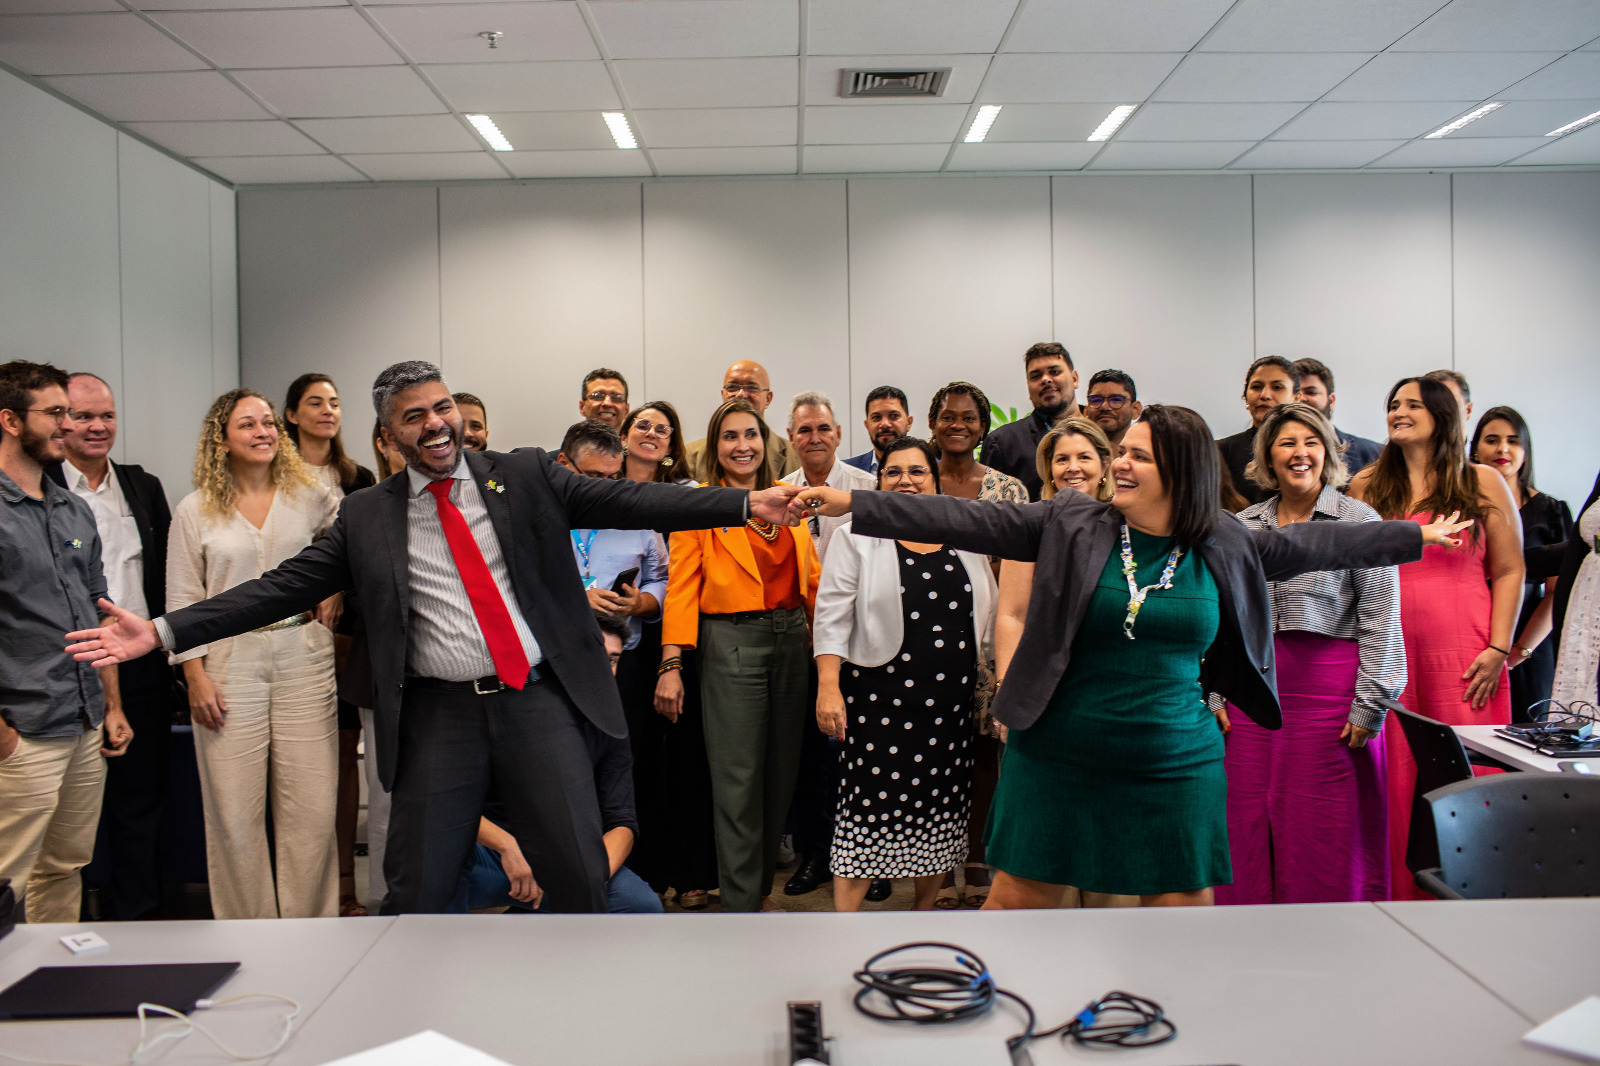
(858, 600)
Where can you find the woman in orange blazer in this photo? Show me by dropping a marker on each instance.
(742, 596)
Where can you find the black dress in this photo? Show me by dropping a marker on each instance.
(907, 781)
(1545, 520)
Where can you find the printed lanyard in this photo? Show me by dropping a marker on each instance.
(583, 544)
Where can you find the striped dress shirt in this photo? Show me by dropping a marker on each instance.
(443, 638)
(1359, 605)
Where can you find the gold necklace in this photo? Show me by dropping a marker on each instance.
(765, 530)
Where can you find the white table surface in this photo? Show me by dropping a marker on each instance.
(1540, 956)
(1482, 739)
(1306, 984)
(303, 959)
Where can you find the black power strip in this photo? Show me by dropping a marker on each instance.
(806, 1040)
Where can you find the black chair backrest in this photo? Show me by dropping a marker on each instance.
(1522, 836)
(1441, 760)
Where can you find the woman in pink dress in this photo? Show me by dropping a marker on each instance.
(1458, 609)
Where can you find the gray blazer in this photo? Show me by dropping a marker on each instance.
(1071, 536)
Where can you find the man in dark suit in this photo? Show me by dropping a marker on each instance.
(484, 653)
(1316, 389)
(131, 513)
(1053, 388)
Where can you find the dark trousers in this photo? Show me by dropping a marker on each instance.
(127, 848)
(816, 793)
(528, 747)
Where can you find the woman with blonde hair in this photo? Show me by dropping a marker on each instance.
(264, 700)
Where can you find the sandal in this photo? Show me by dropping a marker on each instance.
(977, 881)
(697, 899)
(948, 898)
(350, 907)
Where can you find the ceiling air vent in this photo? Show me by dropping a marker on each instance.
(892, 82)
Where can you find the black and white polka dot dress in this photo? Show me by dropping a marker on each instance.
(907, 781)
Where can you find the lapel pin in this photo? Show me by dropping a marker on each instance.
(75, 542)
(495, 486)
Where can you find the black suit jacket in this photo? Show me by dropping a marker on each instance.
(147, 501)
(1014, 449)
(534, 507)
(1071, 536)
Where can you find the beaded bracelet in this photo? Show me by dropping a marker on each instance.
(674, 663)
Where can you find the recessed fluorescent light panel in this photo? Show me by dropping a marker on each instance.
(490, 132)
(621, 132)
(1113, 122)
(981, 123)
(1578, 125)
(1470, 117)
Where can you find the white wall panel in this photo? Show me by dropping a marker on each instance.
(1153, 276)
(540, 284)
(1353, 270)
(166, 312)
(1527, 318)
(949, 279)
(58, 234)
(224, 291)
(341, 281)
(745, 270)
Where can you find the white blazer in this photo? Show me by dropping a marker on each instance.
(858, 600)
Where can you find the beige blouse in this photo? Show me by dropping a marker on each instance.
(207, 554)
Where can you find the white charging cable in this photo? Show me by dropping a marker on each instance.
(149, 1040)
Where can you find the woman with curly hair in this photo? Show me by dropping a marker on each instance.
(264, 700)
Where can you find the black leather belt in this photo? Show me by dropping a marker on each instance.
(482, 686)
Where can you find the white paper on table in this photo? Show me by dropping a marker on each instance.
(1575, 1031)
(426, 1048)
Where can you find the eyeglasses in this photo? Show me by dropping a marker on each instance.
(664, 430)
(733, 388)
(57, 414)
(83, 418)
(915, 473)
(1112, 402)
(598, 396)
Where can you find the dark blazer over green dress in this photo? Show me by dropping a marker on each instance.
(1070, 537)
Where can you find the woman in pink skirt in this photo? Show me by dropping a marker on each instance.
(1458, 609)
(1307, 806)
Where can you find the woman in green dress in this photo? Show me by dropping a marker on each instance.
(1113, 776)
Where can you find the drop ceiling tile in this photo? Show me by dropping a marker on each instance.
(89, 44)
(1114, 25)
(888, 123)
(666, 83)
(57, 7)
(1439, 75)
(1082, 77)
(190, 95)
(449, 33)
(1214, 77)
(1498, 26)
(666, 29)
(894, 27)
(407, 133)
(1454, 151)
(525, 86)
(1313, 155)
(729, 127)
(1047, 122)
(304, 37)
(966, 74)
(1575, 148)
(553, 130)
(1568, 78)
(724, 160)
(329, 92)
(1168, 155)
(1528, 118)
(874, 158)
(1206, 122)
(1021, 156)
(615, 163)
(1364, 121)
(429, 166)
(1317, 25)
(278, 169)
(227, 138)
(153, 6)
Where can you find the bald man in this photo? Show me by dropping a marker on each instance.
(748, 380)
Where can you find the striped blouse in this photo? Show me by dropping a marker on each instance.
(1359, 605)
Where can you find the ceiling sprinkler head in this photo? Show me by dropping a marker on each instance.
(491, 36)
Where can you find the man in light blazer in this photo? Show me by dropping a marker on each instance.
(484, 652)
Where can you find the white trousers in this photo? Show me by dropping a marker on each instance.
(50, 790)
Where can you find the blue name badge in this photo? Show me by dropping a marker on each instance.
(589, 583)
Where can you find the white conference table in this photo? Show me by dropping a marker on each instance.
(1482, 739)
(1328, 984)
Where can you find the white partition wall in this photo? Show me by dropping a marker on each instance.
(117, 260)
(845, 284)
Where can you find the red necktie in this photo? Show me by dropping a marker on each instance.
(494, 620)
